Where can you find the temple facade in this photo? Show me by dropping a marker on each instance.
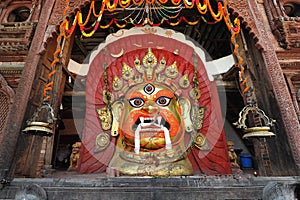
(80, 81)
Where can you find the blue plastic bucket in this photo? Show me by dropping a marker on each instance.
(246, 160)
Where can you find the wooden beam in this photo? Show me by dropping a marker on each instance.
(81, 47)
(73, 93)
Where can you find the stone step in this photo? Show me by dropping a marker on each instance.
(129, 188)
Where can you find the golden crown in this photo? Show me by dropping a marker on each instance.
(150, 69)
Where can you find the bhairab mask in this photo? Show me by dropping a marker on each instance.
(152, 110)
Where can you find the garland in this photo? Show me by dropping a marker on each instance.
(145, 12)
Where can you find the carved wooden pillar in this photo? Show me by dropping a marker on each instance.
(281, 92)
(10, 137)
(287, 110)
(58, 90)
(275, 18)
(253, 18)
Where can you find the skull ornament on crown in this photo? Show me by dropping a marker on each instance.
(151, 109)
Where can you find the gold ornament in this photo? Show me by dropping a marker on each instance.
(184, 81)
(198, 116)
(116, 111)
(169, 33)
(167, 163)
(149, 62)
(105, 118)
(161, 66)
(118, 54)
(160, 47)
(117, 84)
(149, 30)
(160, 78)
(137, 45)
(176, 52)
(195, 93)
(185, 106)
(172, 71)
(127, 72)
(137, 64)
(107, 97)
(102, 142)
(200, 142)
(150, 68)
(138, 80)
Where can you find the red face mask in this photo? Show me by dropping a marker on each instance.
(151, 115)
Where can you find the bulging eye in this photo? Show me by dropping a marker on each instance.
(163, 101)
(136, 102)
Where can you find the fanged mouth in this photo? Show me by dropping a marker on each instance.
(151, 124)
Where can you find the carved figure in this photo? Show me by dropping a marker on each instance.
(164, 110)
(232, 155)
(235, 167)
(74, 157)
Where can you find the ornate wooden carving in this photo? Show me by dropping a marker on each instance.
(12, 133)
(8, 7)
(57, 17)
(275, 18)
(253, 19)
(6, 100)
(60, 6)
(12, 74)
(284, 100)
(291, 67)
(283, 97)
(6, 90)
(285, 29)
(293, 81)
(15, 40)
(292, 30)
(244, 10)
(239, 8)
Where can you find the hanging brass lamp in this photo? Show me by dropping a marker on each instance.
(262, 130)
(41, 122)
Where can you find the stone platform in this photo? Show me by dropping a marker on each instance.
(147, 188)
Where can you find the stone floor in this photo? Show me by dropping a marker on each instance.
(61, 184)
(70, 185)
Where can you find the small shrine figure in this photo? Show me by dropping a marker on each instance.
(74, 158)
(232, 155)
(233, 158)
